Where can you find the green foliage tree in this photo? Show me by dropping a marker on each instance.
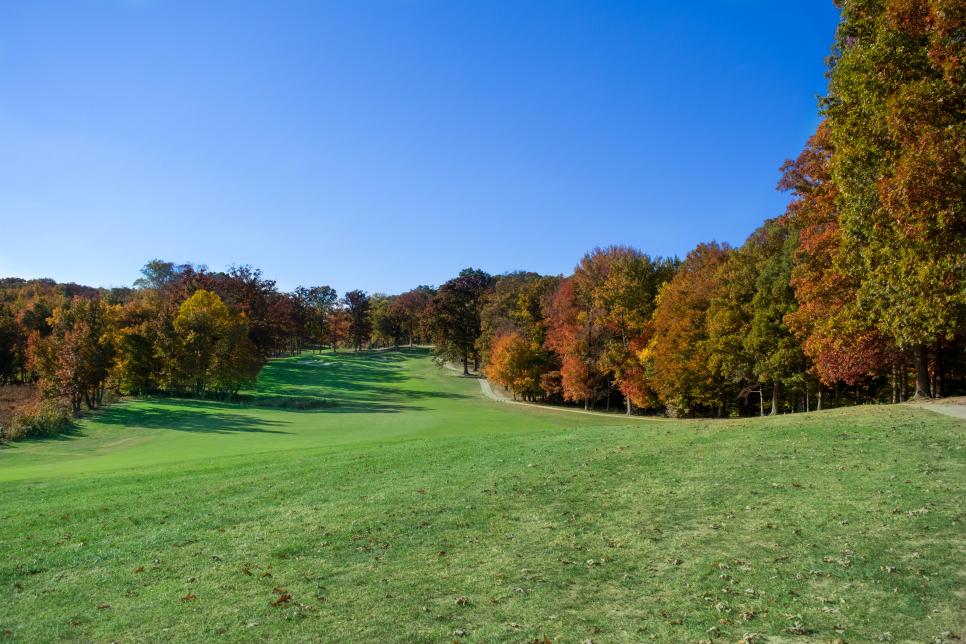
(777, 354)
(896, 111)
(215, 353)
(455, 314)
(360, 323)
(388, 320)
(317, 302)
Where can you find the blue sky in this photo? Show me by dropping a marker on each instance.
(385, 144)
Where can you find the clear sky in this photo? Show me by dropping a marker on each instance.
(388, 143)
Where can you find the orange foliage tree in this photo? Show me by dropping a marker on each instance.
(675, 358)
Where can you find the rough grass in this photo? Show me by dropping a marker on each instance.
(417, 510)
(14, 398)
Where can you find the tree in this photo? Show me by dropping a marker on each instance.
(837, 336)
(388, 320)
(136, 367)
(896, 112)
(676, 357)
(573, 335)
(777, 354)
(414, 306)
(599, 319)
(517, 364)
(360, 324)
(9, 339)
(338, 328)
(158, 273)
(626, 286)
(75, 359)
(514, 306)
(455, 312)
(215, 352)
(317, 302)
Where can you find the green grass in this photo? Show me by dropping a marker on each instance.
(415, 509)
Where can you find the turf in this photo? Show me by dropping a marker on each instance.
(413, 508)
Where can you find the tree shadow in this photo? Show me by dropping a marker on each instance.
(67, 435)
(365, 381)
(193, 419)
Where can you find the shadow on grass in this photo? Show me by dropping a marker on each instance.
(219, 408)
(193, 419)
(363, 382)
(67, 435)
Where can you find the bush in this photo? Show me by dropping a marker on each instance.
(46, 418)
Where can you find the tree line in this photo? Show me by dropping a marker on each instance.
(856, 293)
(181, 330)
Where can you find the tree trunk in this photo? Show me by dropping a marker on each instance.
(774, 398)
(922, 372)
(818, 398)
(895, 384)
(466, 365)
(937, 391)
(627, 399)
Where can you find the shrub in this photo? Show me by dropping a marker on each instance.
(46, 418)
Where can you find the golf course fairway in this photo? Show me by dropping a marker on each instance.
(402, 505)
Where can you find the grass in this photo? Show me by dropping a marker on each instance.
(415, 509)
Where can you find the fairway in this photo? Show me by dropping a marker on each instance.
(410, 507)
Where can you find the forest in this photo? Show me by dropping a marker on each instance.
(855, 294)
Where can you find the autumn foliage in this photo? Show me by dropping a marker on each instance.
(856, 293)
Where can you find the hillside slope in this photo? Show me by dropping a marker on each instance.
(414, 508)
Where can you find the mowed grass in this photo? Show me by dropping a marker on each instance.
(416, 510)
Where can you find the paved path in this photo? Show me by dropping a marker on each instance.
(954, 410)
(487, 390)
